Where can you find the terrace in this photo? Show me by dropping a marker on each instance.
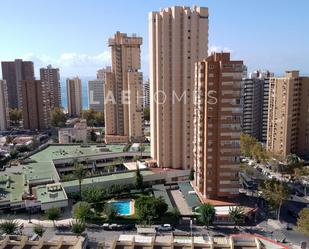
(42, 168)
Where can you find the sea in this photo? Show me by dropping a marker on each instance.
(84, 91)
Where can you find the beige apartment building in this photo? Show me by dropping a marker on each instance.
(14, 72)
(288, 115)
(217, 118)
(178, 37)
(74, 93)
(123, 93)
(77, 134)
(4, 106)
(52, 77)
(35, 104)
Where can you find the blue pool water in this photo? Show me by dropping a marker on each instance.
(122, 207)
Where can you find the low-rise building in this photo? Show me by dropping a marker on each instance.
(116, 139)
(60, 242)
(239, 241)
(76, 134)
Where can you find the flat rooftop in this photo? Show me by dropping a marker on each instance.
(40, 169)
(41, 165)
(12, 187)
(106, 178)
(47, 194)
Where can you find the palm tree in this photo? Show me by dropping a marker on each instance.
(141, 149)
(79, 173)
(39, 230)
(9, 226)
(176, 215)
(237, 214)
(82, 211)
(78, 226)
(292, 159)
(139, 182)
(207, 214)
(53, 214)
(110, 212)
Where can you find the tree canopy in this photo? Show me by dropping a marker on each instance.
(150, 208)
(15, 116)
(53, 214)
(110, 212)
(147, 113)
(206, 214)
(139, 182)
(39, 230)
(251, 147)
(80, 174)
(303, 221)
(58, 117)
(78, 226)
(93, 118)
(82, 211)
(275, 193)
(237, 214)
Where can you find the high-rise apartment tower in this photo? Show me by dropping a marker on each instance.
(4, 108)
(96, 95)
(123, 90)
(74, 93)
(51, 76)
(217, 117)
(254, 102)
(178, 38)
(14, 72)
(35, 104)
(288, 115)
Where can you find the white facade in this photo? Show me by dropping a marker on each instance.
(146, 94)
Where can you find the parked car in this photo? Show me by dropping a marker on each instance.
(115, 227)
(165, 228)
(251, 163)
(299, 194)
(289, 226)
(105, 226)
(259, 169)
(128, 226)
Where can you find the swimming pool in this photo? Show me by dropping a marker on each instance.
(122, 207)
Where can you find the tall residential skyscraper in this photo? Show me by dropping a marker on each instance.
(254, 102)
(123, 90)
(4, 108)
(288, 115)
(74, 93)
(178, 37)
(14, 72)
(51, 76)
(101, 72)
(96, 95)
(217, 117)
(146, 93)
(35, 104)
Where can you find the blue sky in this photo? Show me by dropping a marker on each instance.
(72, 34)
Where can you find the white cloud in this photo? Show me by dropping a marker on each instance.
(71, 63)
(219, 49)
